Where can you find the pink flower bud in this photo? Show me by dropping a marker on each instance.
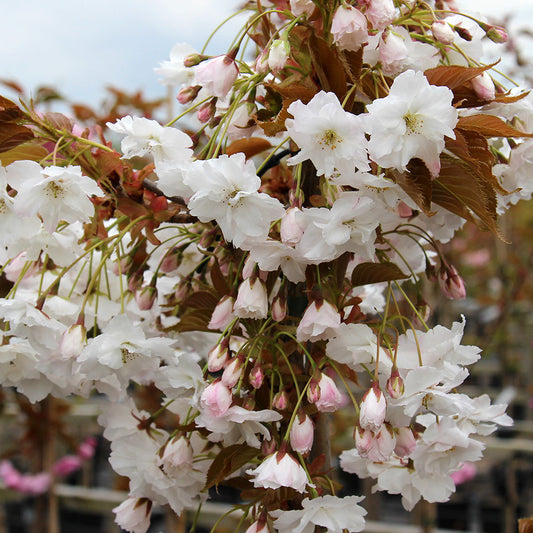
(349, 28)
(252, 300)
(218, 356)
(67, 465)
(279, 308)
(206, 112)
(178, 456)
(442, 32)
(188, 94)
(171, 261)
(451, 284)
(73, 341)
(256, 376)
(135, 280)
(497, 34)
(217, 75)
(146, 297)
(325, 394)
(261, 63)
(122, 266)
(405, 442)
(280, 401)
(395, 384)
(222, 314)
(484, 87)
(302, 434)
(278, 55)
(373, 409)
(381, 13)
(291, 227)
(233, 372)
(134, 514)
(392, 52)
(216, 398)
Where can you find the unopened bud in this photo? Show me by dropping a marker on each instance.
(193, 60)
(207, 111)
(146, 297)
(216, 398)
(463, 33)
(395, 384)
(233, 372)
(497, 34)
(73, 341)
(280, 401)
(188, 94)
(218, 356)
(442, 32)
(372, 409)
(302, 434)
(278, 309)
(256, 376)
(484, 87)
(451, 284)
(222, 314)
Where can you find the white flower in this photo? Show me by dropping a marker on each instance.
(124, 349)
(271, 255)
(330, 137)
(279, 470)
(353, 345)
(174, 72)
(335, 514)
(411, 122)
(54, 193)
(252, 300)
(226, 191)
(170, 148)
(134, 514)
(320, 321)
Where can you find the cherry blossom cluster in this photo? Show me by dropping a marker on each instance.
(232, 284)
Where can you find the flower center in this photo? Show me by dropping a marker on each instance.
(3, 207)
(330, 140)
(54, 190)
(414, 123)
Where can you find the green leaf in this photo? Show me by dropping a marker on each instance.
(368, 273)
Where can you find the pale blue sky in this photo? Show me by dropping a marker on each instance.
(82, 45)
